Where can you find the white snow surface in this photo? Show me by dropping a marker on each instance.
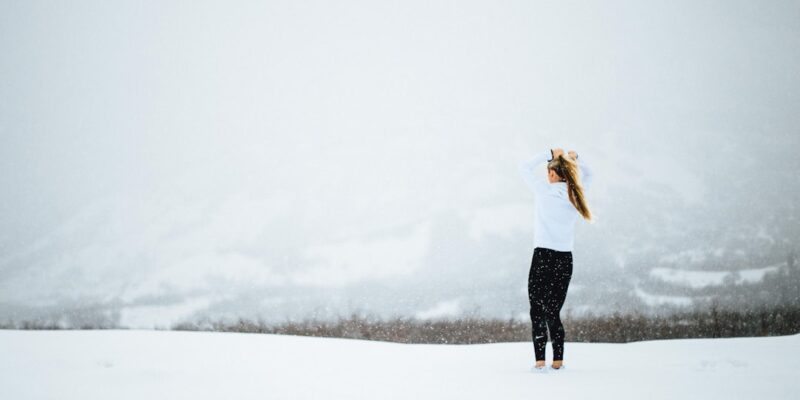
(656, 300)
(132, 364)
(700, 279)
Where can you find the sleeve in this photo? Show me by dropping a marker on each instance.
(587, 174)
(529, 175)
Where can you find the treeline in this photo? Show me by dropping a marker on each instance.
(617, 328)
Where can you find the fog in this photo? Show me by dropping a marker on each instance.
(172, 161)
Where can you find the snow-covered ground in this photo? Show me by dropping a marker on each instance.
(201, 365)
(656, 300)
(700, 279)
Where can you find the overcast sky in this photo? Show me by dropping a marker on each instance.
(298, 156)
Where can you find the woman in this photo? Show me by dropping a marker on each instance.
(559, 202)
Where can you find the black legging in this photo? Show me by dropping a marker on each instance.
(548, 281)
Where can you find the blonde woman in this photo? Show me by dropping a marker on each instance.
(559, 202)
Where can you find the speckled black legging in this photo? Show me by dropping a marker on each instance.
(548, 281)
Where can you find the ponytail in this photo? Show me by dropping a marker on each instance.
(567, 169)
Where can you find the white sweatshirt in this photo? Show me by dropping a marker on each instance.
(554, 215)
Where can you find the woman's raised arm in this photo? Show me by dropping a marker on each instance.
(527, 168)
(587, 174)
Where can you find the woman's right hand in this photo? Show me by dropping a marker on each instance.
(573, 155)
(557, 152)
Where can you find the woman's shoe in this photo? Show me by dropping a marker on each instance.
(557, 369)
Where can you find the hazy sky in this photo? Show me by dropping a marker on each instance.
(303, 157)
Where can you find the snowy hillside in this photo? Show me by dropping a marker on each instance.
(168, 161)
(192, 365)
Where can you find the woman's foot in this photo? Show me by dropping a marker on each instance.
(539, 366)
(557, 364)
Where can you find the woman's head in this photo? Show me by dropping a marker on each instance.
(564, 168)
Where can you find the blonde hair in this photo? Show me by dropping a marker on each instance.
(567, 169)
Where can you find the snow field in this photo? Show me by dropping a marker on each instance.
(132, 364)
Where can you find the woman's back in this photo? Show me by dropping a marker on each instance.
(554, 214)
